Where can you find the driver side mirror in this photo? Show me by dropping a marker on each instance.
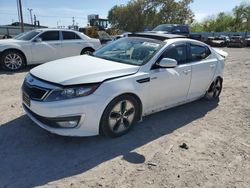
(38, 39)
(168, 63)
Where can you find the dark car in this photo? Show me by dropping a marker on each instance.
(196, 36)
(172, 29)
(247, 39)
(236, 41)
(209, 40)
(220, 41)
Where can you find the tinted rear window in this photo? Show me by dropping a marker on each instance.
(199, 52)
(67, 35)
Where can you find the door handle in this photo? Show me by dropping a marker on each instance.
(143, 80)
(212, 66)
(186, 71)
(56, 44)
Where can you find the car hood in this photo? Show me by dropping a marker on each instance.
(9, 41)
(81, 70)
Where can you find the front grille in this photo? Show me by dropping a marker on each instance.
(34, 92)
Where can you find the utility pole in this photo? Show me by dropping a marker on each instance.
(73, 20)
(34, 20)
(21, 15)
(31, 19)
(18, 11)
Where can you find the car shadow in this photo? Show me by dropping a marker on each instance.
(30, 156)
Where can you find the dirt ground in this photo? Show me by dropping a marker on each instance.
(217, 135)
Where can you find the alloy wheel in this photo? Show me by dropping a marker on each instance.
(121, 116)
(214, 90)
(88, 52)
(217, 88)
(13, 61)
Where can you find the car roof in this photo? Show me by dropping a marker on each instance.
(55, 29)
(157, 36)
(175, 25)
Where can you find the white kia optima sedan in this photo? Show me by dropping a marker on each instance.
(43, 45)
(109, 91)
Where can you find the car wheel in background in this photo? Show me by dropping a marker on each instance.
(214, 90)
(6, 37)
(119, 116)
(87, 51)
(12, 60)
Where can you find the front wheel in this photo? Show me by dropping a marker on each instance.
(214, 90)
(119, 116)
(12, 60)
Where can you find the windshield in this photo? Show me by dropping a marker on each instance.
(19, 35)
(27, 36)
(167, 28)
(133, 51)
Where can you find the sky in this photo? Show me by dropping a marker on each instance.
(55, 13)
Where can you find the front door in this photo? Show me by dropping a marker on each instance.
(169, 86)
(48, 49)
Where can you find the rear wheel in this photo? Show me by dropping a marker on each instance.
(12, 60)
(214, 90)
(119, 116)
(87, 51)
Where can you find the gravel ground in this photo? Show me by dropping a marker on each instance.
(217, 135)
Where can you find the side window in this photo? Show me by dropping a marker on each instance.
(199, 52)
(179, 53)
(50, 35)
(67, 35)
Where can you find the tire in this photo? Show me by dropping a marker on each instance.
(6, 37)
(119, 116)
(12, 60)
(214, 90)
(87, 51)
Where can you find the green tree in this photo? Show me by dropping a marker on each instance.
(237, 20)
(242, 17)
(138, 14)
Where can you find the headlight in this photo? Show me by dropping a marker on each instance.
(70, 93)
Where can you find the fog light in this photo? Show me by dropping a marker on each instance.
(68, 124)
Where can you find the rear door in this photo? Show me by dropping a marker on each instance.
(72, 44)
(48, 49)
(203, 69)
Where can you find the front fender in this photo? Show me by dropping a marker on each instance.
(24, 49)
(125, 85)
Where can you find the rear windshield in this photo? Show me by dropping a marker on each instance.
(172, 28)
(168, 28)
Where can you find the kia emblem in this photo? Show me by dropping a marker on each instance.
(30, 79)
